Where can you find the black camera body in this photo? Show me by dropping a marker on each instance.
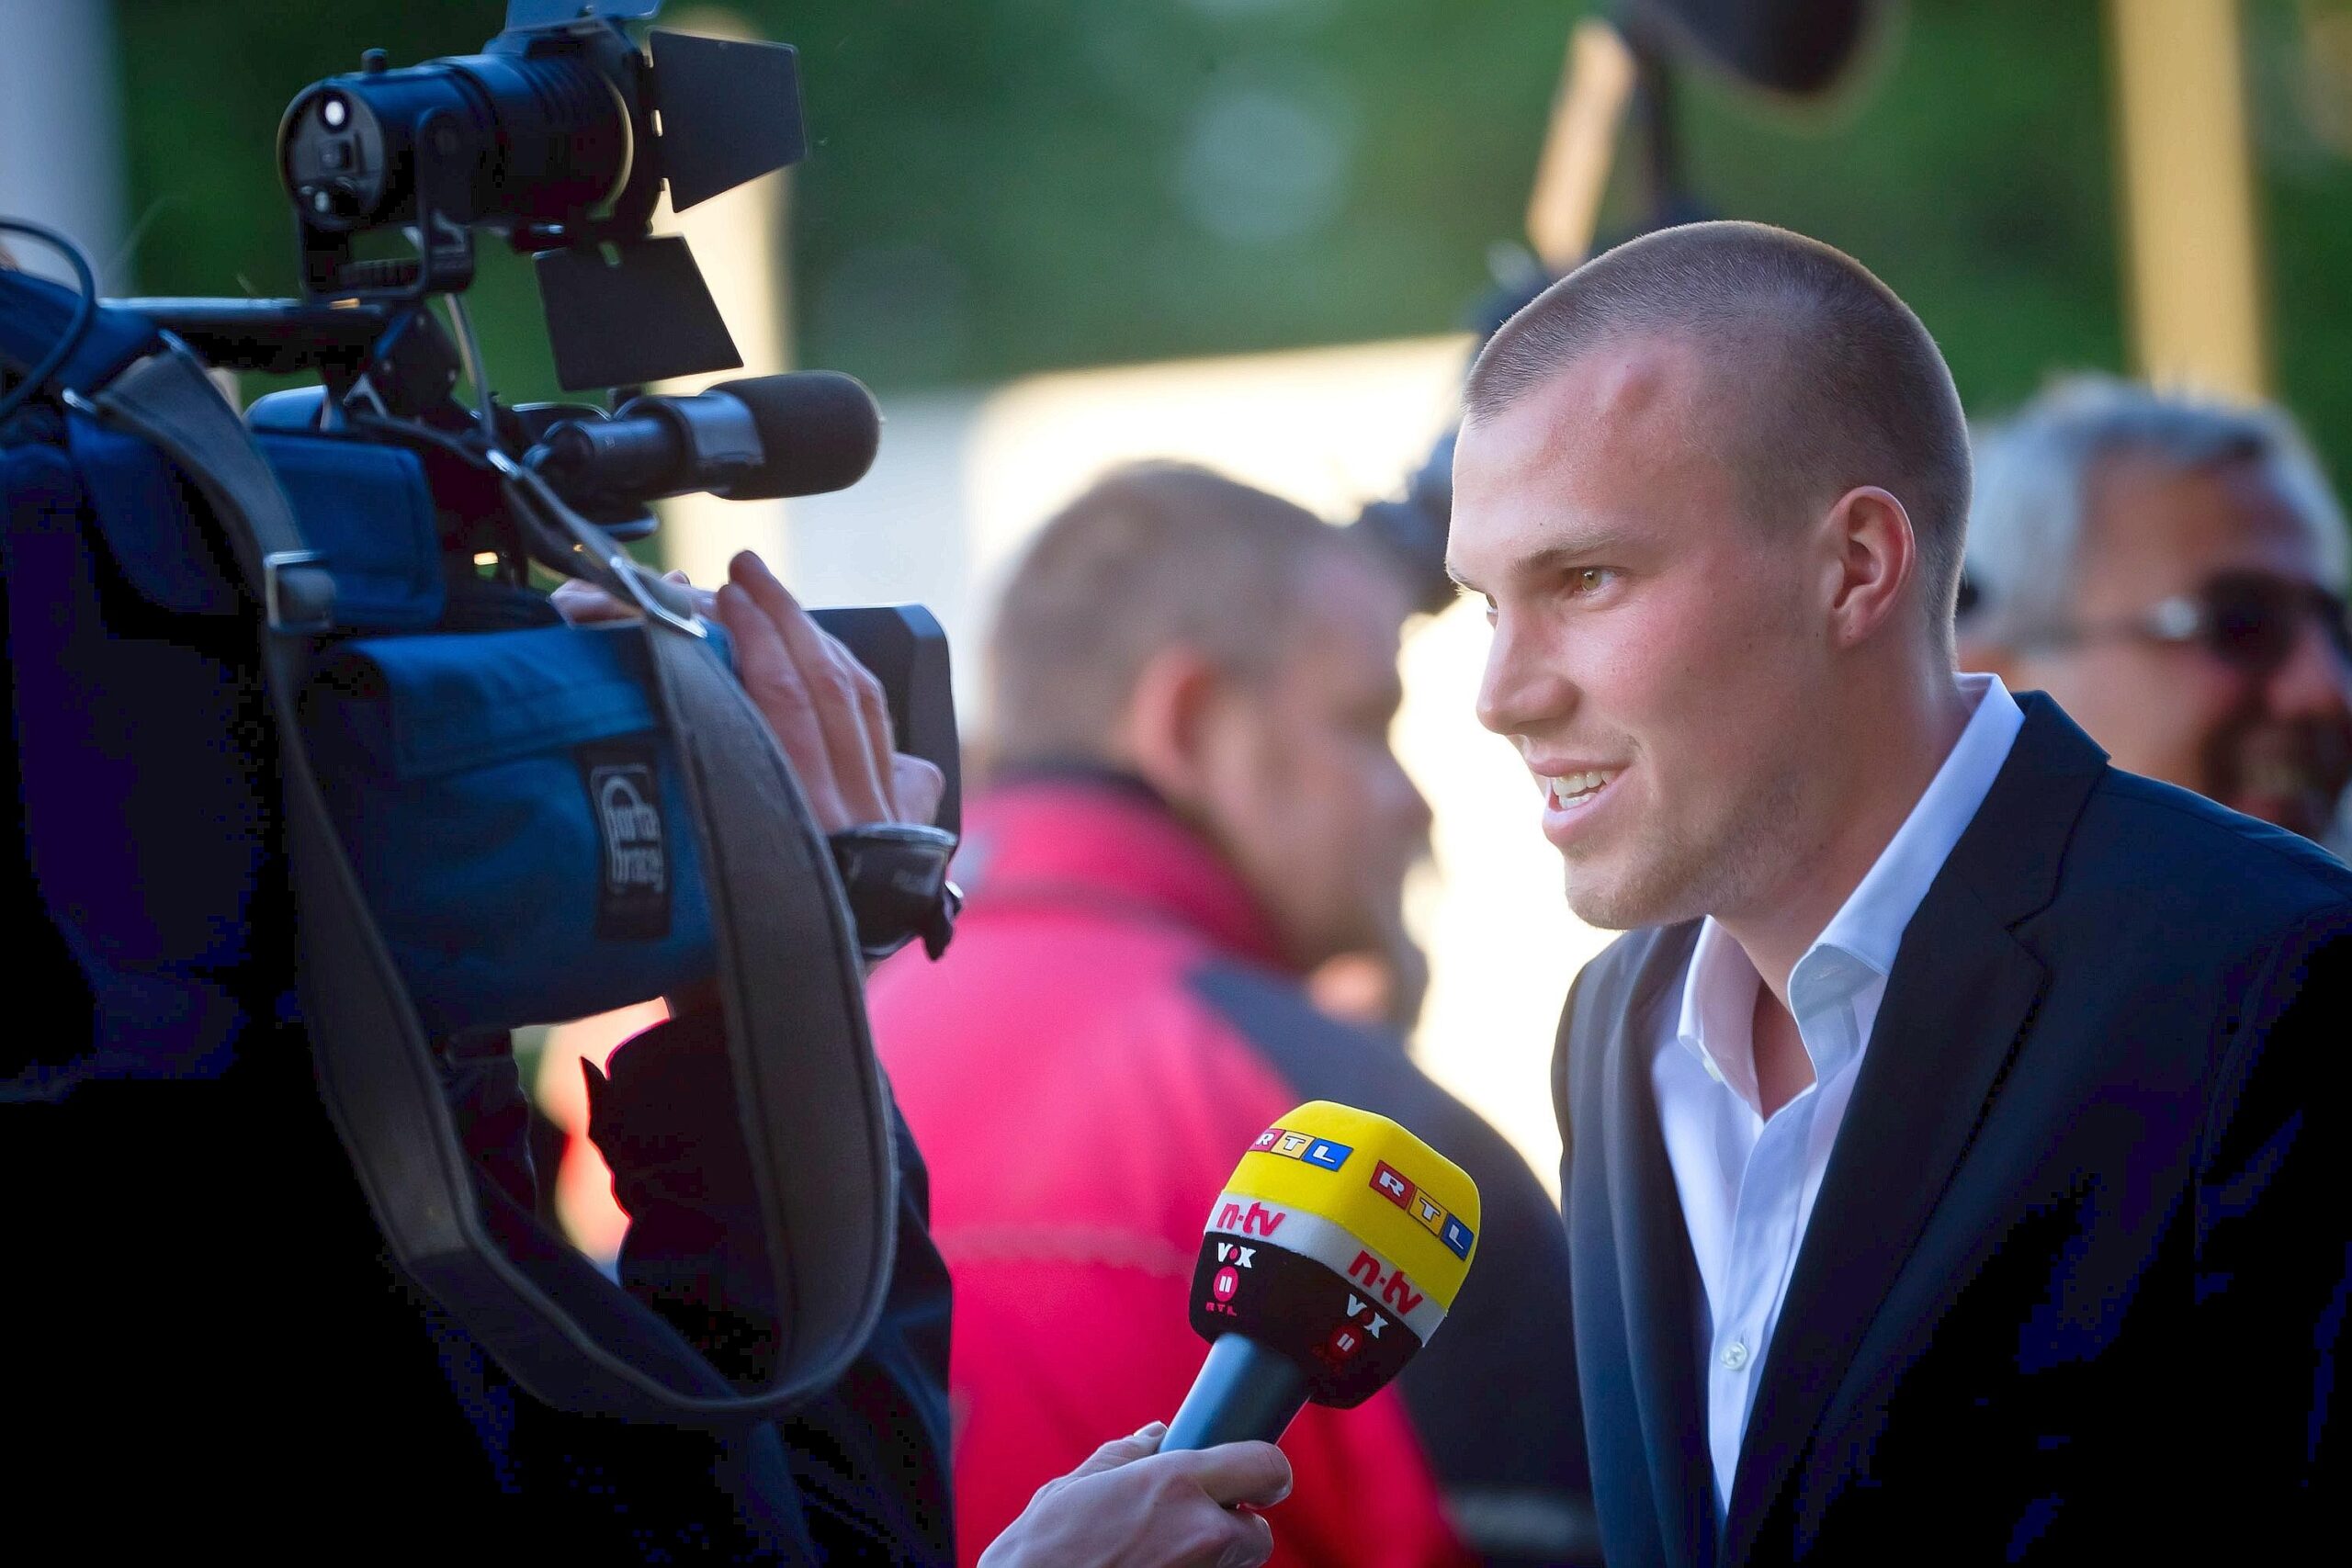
(559, 137)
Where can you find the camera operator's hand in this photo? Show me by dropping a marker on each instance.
(1132, 1506)
(826, 709)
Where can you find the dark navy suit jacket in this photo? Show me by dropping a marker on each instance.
(2075, 1281)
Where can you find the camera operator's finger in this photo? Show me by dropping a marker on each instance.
(772, 680)
(874, 709)
(585, 603)
(833, 691)
(918, 786)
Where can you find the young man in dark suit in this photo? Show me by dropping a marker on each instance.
(1954, 1138)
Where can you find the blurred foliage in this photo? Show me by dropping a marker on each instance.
(1004, 185)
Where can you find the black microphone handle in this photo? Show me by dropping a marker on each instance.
(1244, 1391)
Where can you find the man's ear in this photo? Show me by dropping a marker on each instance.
(1874, 556)
(1165, 737)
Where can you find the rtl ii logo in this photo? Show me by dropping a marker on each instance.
(1362, 1322)
(1226, 1283)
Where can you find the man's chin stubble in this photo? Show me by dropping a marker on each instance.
(1620, 906)
(1673, 887)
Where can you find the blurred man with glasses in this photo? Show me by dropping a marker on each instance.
(2172, 572)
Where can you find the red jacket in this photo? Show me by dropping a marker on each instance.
(1109, 1032)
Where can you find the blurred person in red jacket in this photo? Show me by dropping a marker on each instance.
(2171, 571)
(1194, 805)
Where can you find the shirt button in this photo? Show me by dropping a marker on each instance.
(1734, 1355)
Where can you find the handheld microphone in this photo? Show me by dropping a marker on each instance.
(756, 439)
(1329, 1260)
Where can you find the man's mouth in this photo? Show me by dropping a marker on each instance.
(2280, 776)
(2286, 776)
(1570, 791)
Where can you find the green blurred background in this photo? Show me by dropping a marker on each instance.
(999, 186)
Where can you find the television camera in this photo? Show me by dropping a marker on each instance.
(558, 139)
(488, 818)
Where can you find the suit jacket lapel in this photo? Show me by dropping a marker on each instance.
(1658, 1274)
(1962, 995)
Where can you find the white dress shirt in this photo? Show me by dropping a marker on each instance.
(1747, 1183)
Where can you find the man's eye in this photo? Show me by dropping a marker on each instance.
(1590, 579)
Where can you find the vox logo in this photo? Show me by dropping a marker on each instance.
(1362, 1315)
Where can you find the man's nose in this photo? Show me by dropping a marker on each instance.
(2315, 682)
(1519, 691)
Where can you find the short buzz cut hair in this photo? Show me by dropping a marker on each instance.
(1832, 381)
(1152, 556)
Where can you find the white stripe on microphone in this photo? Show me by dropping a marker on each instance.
(1254, 1220)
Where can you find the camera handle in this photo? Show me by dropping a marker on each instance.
(795, 1027)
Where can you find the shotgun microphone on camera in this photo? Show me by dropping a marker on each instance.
(755, 439)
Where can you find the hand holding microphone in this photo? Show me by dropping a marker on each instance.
(1131, 1505)
(1331, 1256)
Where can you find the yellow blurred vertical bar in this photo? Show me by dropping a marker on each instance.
(2188, 195)
(1580, 144)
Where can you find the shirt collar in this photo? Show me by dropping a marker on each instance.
(1869, 926)
(1719, 1009)
(1857, 947)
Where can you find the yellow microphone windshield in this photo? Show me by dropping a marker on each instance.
(1337, 1248)
(1413, 1211)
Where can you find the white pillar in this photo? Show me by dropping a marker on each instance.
(61, 133)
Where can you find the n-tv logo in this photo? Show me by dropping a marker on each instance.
(1256, 1220)
(1305, 1147)
(1394, 1289)
(1399, 1189)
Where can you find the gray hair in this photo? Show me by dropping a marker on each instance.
(2034, 469)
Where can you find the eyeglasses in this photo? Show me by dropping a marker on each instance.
(2249, 620)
